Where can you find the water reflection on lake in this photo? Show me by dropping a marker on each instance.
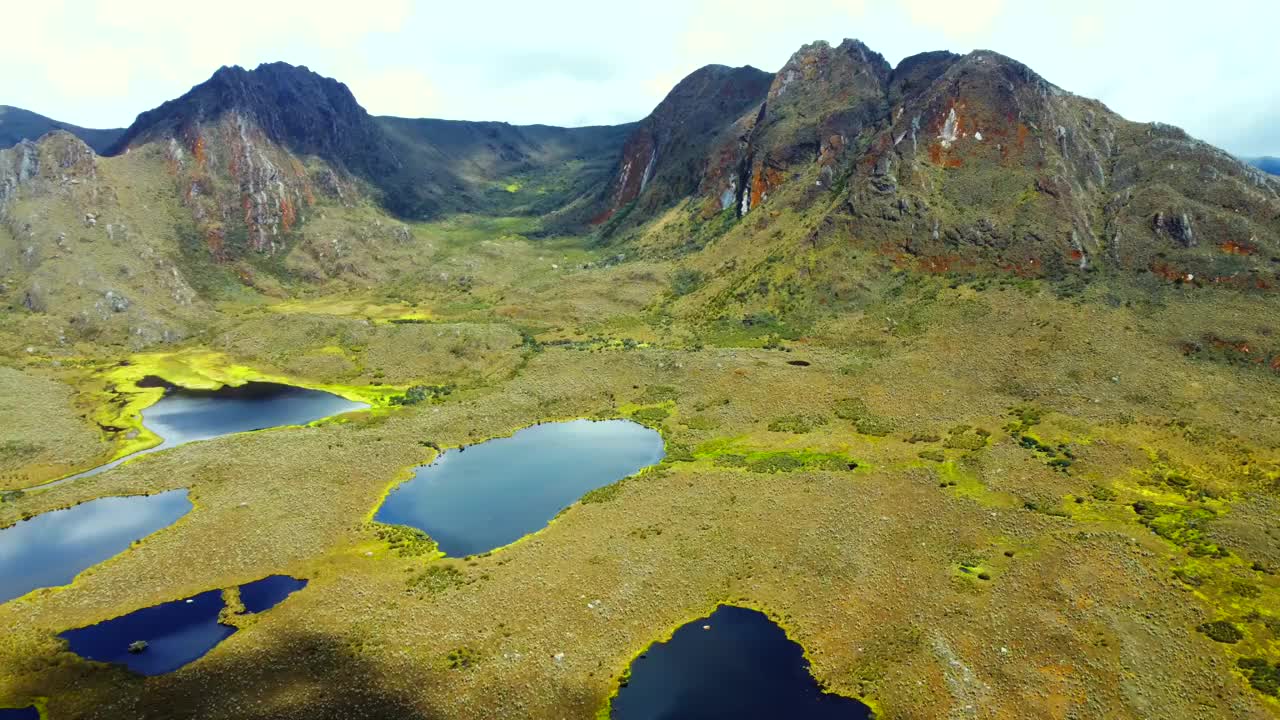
(491, 494)
(52, 548)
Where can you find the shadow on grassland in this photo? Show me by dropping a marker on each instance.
(308, 675)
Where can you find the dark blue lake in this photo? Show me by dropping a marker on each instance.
(26, 713)
(174, 633)
(184, 416)
(491, 494)
(262, 595)
(52, 548)
(743, 666)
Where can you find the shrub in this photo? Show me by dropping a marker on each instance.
(775, 462)
(1263, 676)
(462, 658)
(437, 579)
(1025, 417)
(730, 460)
(1104, 494)
(933, 455)
(1244, 589)
(651, 415)
(677, 452)
(421, 393)
(406, 541)
(700, 422)
(602, 494)
(685, 281)
(1222, 631)
(864, 421)
(965, 440)
(654, 394)
(798, 423)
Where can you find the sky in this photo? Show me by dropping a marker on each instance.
(1209, 67)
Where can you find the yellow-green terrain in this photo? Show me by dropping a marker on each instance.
(966, 489)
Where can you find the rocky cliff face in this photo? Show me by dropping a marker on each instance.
(818, 110)
(250, 151)
(988, 164)
(663, 159)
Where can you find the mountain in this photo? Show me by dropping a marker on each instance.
(971, 163)
(254, 148)
(784, 192)
(1266, 164)
(17, 125)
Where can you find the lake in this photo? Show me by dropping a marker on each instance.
(175, 633)
(488, 495)
(52, 548)
(735, 663)
(182, 416)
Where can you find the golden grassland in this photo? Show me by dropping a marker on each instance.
(983, 558)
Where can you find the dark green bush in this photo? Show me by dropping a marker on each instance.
(1222, 631)
(437, 579)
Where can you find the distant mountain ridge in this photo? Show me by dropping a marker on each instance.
(17, 125)
(1266, 164)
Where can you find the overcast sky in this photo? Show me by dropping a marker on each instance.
(1210, 67)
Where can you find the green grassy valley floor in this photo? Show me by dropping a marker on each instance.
(1055, 494)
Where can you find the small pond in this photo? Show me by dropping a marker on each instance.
(52, 548)
(182, 416)
(736, 663)
(488, 495)
(164, 637)
(26, 713)
(262, 595)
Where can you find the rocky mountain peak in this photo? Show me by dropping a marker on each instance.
(293, 106)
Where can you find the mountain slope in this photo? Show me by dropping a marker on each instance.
(17, 125)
